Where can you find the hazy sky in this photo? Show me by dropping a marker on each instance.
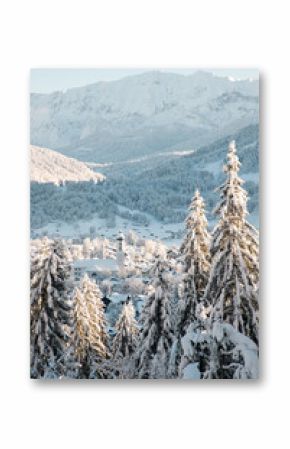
(49, 80)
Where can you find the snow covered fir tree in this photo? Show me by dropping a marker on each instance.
(196, 255)
(125, 340)
(232, 290)
(52, 323)
(157, 334)
(91, 340)
(231, 293)
(129, 307)
(97, 330)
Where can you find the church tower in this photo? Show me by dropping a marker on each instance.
(120, 249)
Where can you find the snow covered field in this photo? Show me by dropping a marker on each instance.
(170, 234)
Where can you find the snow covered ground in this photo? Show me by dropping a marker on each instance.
(170, 234)
(50, 166)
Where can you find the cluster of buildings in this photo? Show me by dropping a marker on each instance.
(109, 268)
(100, 269)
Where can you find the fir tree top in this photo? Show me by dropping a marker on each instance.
(234, 199)
(195, 246)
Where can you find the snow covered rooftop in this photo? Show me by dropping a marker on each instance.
(96, 264)
(141, 297)
(118, 297)
(85, 263)
(106, 264)
(121, 236)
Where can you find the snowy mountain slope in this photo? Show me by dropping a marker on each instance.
(143, 114)
(50, 166)
(159, 186)
(163, 185)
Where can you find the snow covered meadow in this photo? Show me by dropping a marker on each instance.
(142, 267)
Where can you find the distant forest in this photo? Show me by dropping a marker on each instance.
(163, 191)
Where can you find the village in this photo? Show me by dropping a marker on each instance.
(121, 268)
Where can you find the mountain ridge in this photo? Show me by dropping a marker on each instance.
(144, 113)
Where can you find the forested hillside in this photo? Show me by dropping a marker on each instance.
(50, 166)
(160, 186)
